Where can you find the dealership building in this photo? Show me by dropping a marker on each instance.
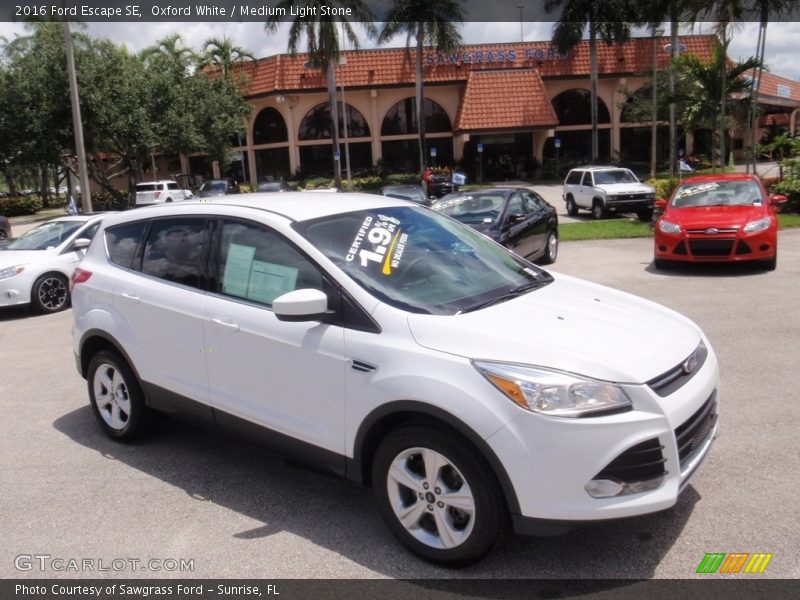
(506, 108)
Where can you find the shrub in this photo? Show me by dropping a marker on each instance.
(664, 187)
(371, 182)
(403, 178)
(20, 205)
(104, 201)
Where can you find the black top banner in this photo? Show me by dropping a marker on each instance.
(261, 10)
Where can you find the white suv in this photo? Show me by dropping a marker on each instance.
(160, 192)
(401, 349)
(605, 190)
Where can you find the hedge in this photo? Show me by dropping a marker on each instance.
(15, 206)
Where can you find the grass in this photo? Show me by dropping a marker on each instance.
(789, 221)
(604, 230)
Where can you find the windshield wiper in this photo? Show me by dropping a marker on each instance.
(510, 294)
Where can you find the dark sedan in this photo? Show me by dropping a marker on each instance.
(5, 228)
(414, 193)
(218, 187)
(518, 218)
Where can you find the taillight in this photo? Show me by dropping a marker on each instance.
(79, 276)
(157, 195)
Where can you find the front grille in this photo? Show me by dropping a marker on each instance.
(712, 230)
(712, 247)
(694, 431)
(638, 463)
(677, 376)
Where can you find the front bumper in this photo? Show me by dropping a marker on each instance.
(732, 246)
(614, 205)
(551, 460)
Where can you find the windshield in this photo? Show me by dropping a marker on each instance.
(718, 193)
(214, 186)
(46, 235)
(473, 208)
(416, 260)
(614, 176)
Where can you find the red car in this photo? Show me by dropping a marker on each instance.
(718, 218)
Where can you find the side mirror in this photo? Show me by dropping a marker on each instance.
(300, 305)
(516, 218)
(777, 199)
(660, 203)
(81, 244)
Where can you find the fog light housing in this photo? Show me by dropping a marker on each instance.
(604, 488)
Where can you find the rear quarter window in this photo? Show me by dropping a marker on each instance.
(122, 242)
(574, 178)
(145, 187)
(173, 186)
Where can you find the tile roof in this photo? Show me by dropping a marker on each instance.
(785, 90)
(396, 66)
(504, 99)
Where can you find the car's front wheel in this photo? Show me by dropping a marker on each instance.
(551, 250)
(598, 210)
(438, 496)
(572, 208)
(50, 293)
(116, 397)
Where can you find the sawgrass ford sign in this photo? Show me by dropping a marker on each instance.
(496, 57)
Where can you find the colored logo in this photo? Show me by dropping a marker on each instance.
(733, 563)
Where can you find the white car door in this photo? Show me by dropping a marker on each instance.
(288, 377)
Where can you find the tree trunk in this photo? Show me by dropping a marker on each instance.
(420, 97)
(723, 99)
(593, 95)
(330, 73)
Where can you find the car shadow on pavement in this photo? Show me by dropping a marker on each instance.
(726, 269)
(14, 313)
(342, 517)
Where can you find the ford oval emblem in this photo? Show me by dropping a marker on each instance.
(712, 231)
(690, 364)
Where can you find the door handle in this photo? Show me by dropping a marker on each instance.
(226, 324)
(131, 296)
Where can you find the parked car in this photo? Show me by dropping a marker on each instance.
(160, 192)
(518, 218)
(414, 193)
(718, 218)
(218, 187)
(392, 345)
(440, 184)
(607, 190)
(35, 268)
(272, 186)
(5, 228)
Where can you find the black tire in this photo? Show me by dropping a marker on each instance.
(437, 528)
(663, 265)
(572, 208)
(551, 249)
(116, 397)
(50, 293)
(645, 216)
(598, 210)
(167, 200)
(3, 235)
(770, 264)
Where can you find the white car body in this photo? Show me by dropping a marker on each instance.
(587, 187)
(57, 260)
(319, 388)
(160, 192)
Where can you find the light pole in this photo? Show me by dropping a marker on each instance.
(343, 61)
(657, 33)
(520, 6)
(86, 195)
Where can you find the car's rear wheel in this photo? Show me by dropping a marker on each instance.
(572, 208)
(598, 210)
(645, 216)
(50, 293)
(551, 250)
(438, 496)
(116, 397)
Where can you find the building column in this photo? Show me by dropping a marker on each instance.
(459, 141)
(377, 148)
(251, 158)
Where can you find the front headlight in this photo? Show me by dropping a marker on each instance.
(759, 225)
(11, 271)
(667, 227)
(554, 393)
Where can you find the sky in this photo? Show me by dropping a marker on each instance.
(782, 51)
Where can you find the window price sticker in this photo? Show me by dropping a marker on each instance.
(379, 241)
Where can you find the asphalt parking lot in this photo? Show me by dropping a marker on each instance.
(237, 511)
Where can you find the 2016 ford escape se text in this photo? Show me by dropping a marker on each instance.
(392, 345)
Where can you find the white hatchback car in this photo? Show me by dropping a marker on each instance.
(35, 268)
(399, 348)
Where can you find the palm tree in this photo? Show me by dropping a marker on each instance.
(609, 19)
(431, 22)
(704, 100)
(171, 50)
(322, 37)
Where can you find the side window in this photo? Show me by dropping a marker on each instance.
(175, 250)
(89, 232)
(258, 265)
(515, 206)
(122, 242)
(574, 177)
(587, 179)
(531, 202)
(173, 186)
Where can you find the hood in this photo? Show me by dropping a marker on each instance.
(570, 325)
(12, 258)
(626, 188)
(701, 217)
